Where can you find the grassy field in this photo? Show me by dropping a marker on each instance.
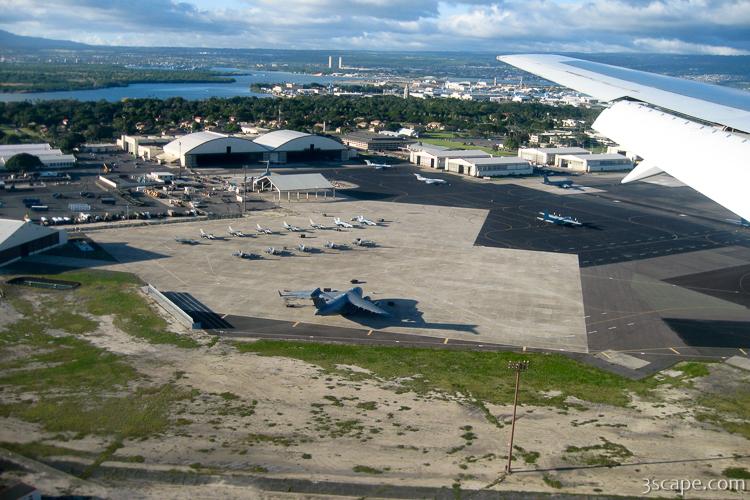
(480, 375)
(450, 140)
(52, 375)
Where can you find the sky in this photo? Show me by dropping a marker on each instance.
(717, 27)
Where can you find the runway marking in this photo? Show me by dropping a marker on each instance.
(630, 324)
(674, 350)
(370, 333)
(295, 324)
(586, 316)
(445, 341)
(593, 331)
(742, 351)
(611, 328)
(606, 355)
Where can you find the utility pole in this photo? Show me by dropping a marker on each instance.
(518, 367)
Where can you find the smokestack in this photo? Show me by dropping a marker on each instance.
(330, 62)
(341, 62)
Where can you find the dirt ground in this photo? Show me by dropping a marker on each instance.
(283, 418)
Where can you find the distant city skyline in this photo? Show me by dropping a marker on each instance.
(716, 27)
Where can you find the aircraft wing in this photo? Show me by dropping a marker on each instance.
(707, 158)
(360, 303)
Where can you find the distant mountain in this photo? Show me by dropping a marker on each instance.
(10, 40)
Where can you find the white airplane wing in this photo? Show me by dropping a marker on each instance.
(709, 159)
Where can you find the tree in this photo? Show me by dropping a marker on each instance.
(23, 162)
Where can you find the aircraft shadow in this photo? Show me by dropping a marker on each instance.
(405, 314)
(711, 333)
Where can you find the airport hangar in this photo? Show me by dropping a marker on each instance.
(202, 149)
(20, 239)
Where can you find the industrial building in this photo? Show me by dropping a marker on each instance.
(202, 149)
(144, 146)
(51, 158)
(437, 156)
(368, 141)
(496, 166)
(289, 146)
(98, 148)
(594, 162)
(546, 156)
(20, 239)
(295, 184)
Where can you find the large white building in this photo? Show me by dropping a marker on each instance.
(289, 146)
(202, 149)
(438, 156)
(546, 156)
(50, 157)
(20, 239)
(594, 162)
(496, 166)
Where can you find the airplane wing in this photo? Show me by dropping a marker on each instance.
(705, 157)
(360, 303)
(299, 294)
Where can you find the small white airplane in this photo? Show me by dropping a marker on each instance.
(291, 228)
(245, 255)
(560, 220)
(377, 166)
(341, 223)
(263, 230)
(316, 225)
(304, 248)
(208, 236)
(273, 251)
(238, 234)
(364, 243)
(429, 180)
(362, 220)
(335, 246)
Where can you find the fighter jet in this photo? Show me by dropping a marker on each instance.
(275, 251)
(238, 234)
(430, 180)
(336, 302)
(208, 236)
(304, 248)
(364, 243)
(187, 241)
(291, 228)
(317, 226)
(377, 166)
(245, 255)
(560, 220)
(336, 246)
(562, 183)
(263, 230)
(362, 220)
(341, 223)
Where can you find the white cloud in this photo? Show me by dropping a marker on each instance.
(674, 46)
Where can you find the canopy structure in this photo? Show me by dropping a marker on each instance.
(295, 184)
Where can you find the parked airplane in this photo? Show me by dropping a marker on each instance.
(317, 226)
(562, 183)
(378, 166)
(364, 243)
(341, 223)
(655, 116)
(245, 255)
(336, 246)
(263, 230)
(336, 302)
(560, 220)
(276, 251)
(289, 227)
(238, 234)
(208, 236)
(187, 241)
(429, 180)
(362, 220)
(304, 248)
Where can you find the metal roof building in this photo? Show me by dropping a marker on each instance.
(293, 146)
(20, 239)
(202, 149)
(495, 166)
(433, 157)
(51, 158)
(295, 183)
(594, 162)
(546, 156)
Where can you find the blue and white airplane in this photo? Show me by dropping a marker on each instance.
(560, 220)
(336, 302)
(377, 166)
(694, 131)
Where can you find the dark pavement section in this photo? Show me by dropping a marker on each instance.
(731, 284)
(200, 313)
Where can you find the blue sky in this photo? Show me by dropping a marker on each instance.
(673, 26)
